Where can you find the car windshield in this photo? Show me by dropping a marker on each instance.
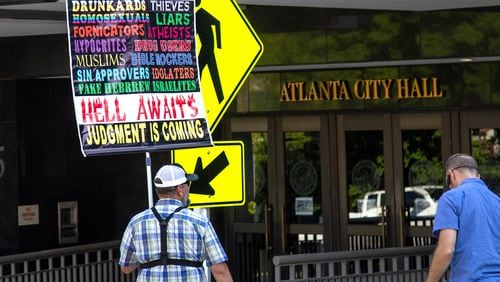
(436, 193)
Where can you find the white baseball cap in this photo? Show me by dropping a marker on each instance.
(172, 175)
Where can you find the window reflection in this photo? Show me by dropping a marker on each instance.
(485, 148)
(365, 170)
(312, 35)
(303, 188)
(423, 175)
(255, 177)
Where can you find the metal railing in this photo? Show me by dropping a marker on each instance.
(388, 264)
(92, 263)
(98, 263)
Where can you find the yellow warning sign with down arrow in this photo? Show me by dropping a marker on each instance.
(221, 171)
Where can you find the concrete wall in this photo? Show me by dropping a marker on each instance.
(34, 56)
(43, 163)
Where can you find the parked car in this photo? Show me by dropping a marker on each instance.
(420, 200)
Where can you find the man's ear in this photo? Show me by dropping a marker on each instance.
(180, 191)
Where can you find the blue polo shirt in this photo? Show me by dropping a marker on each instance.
(474, 211)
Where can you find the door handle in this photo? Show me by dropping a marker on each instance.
(402, 213)
(384, 214)
(267, 235)
(283, 226)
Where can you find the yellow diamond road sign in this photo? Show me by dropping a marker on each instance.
(221, 173)
(228, 49)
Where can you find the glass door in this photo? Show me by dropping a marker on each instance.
(287, 201)
(481, 139)
(419, 147)
(391, 176)
(251, 246)
(300, 198)
(365, 180)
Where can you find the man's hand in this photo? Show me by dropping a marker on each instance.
(128, 269)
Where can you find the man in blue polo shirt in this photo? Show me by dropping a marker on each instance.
(467, 225)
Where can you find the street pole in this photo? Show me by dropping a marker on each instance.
(206, 213)
(150, 184)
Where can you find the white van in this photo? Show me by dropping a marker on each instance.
(417, 198)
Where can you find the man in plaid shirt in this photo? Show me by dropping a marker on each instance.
(189, 239)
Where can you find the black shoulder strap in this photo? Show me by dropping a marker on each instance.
(163, 231)
(164, 260)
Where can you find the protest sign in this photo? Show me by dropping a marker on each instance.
(135, 78)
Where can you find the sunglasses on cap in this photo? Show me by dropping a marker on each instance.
(448, 176)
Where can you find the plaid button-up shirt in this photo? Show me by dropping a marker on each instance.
(190, 236)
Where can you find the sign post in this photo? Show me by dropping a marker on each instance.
(149, 178)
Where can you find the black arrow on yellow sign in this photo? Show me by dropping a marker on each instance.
(207, 174)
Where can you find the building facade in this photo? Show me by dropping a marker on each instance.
(346, 121)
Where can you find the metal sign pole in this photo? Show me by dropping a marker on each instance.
(205, 213)
(148, 175)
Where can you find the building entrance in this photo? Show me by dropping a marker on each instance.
(287, 195)
(347, 181)
(390, 177)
